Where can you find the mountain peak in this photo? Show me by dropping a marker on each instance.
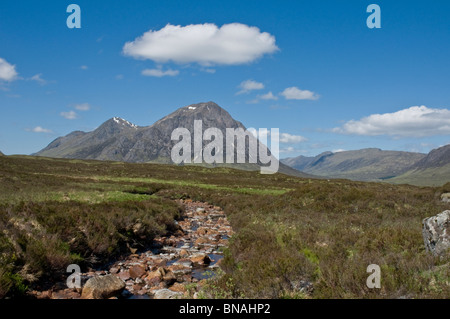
(121, 121)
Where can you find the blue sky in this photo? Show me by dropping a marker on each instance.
(312, 69)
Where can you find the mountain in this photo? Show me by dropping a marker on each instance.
(1, 154)
(432, 170)
(120, 140)
(369, 164)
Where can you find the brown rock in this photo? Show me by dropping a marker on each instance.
(137, 271)
(114, 270)
(183, 252)
(169, 278)
(137, 287)
(202, 240)
(177, 287)
(201, 259)
(102, 287)
(124, 275)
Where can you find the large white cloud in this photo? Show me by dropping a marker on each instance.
(7, 71)
(205, 44)
(416, 121)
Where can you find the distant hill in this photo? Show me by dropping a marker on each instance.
(120, 140)
(1, 154)
(369, 164)
(432, 170)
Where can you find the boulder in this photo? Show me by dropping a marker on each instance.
(166, 294)
(436, 233)
(102, 287)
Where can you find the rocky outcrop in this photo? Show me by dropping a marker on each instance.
(102, 287)
(436, 233)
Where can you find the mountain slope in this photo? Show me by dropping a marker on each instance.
(432, 170)
(120, 140)
(366, 165)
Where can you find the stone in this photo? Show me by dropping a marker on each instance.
(177, 287)
(169, 278)
(124, 275)
(137, 287)
(436, 233)
(201, 259)
(114, 270)
(185, 263)
(302, 286)
(201, 241)
(102, 287)
(183, 252)
(166, 294)
(137, 271)
(445, 197)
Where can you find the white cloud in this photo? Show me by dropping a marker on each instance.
(83, 107)
(285, 138)
(291, 149)
(39, 129)
(38, 78)
(71, 115)
(291, 139)
(416, 121)
(119, 77)
(84, 67)
(268, 96)
(205, 44)
(7, 71)
(160, 73)
(249, 85)
(209, 70)
(294, 93)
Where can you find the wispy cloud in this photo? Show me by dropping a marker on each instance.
(39, 129)
(205, 44)
(82, 107)
(84, 67)
(416, 121)
(268, 96)
(248, 86)
(291, 139)
(38, 78)
(71, 115)
(294, 93)
(159, 72)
